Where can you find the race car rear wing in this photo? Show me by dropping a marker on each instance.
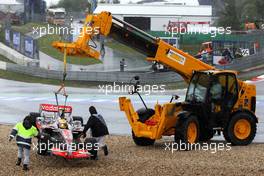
(55, 108)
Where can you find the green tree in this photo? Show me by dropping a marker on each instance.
(230, 16)
(237, 12)
(74, 5)
(249, 11)
(253, 10)
(260, 9)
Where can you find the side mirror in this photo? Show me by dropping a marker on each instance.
(175, 97)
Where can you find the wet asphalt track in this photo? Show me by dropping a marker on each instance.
(17, 99)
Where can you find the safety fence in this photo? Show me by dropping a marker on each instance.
(198, 38)
(121, 77)
(125, 77)
(244, 63)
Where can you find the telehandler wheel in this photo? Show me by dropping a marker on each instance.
(241, 129)
(226, 136)
(90, 145)
(142, 141)
(188, 130)
(42, 147)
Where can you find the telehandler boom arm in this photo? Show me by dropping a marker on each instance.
(153, 48)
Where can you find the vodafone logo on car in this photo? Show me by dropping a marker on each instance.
(55, 108)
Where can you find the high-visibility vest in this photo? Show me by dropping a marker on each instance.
(23, 136)
(21, 131)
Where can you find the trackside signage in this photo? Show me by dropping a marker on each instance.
(176, 57)
(7, 35)
(29, 47)
(16, 40)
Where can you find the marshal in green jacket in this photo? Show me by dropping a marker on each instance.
(23, 135)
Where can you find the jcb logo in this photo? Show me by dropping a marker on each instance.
(176, 57)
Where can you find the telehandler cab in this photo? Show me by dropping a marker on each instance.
(215, 98)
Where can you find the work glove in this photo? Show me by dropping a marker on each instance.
(10, 139)
(84, 135)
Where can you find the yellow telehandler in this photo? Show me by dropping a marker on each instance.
(215, 99)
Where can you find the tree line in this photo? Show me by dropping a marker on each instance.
(236, 13)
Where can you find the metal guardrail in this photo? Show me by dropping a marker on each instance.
(245, 62)
(122, 77)
(125, 77)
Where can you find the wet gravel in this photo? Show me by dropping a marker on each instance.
(125, 158)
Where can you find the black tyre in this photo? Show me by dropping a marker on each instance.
(43, 142)
(33, 117)
(42, 147)
(187, 130)
(241, 129)
(91, 145)
(77, 118)
(142, 141)
(226, 136)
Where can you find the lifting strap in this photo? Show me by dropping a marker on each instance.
(62, 90)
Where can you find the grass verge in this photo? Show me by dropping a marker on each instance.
(121, 47)
(32, 79)
(85, 84)
(27, 27)
(4, 59)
